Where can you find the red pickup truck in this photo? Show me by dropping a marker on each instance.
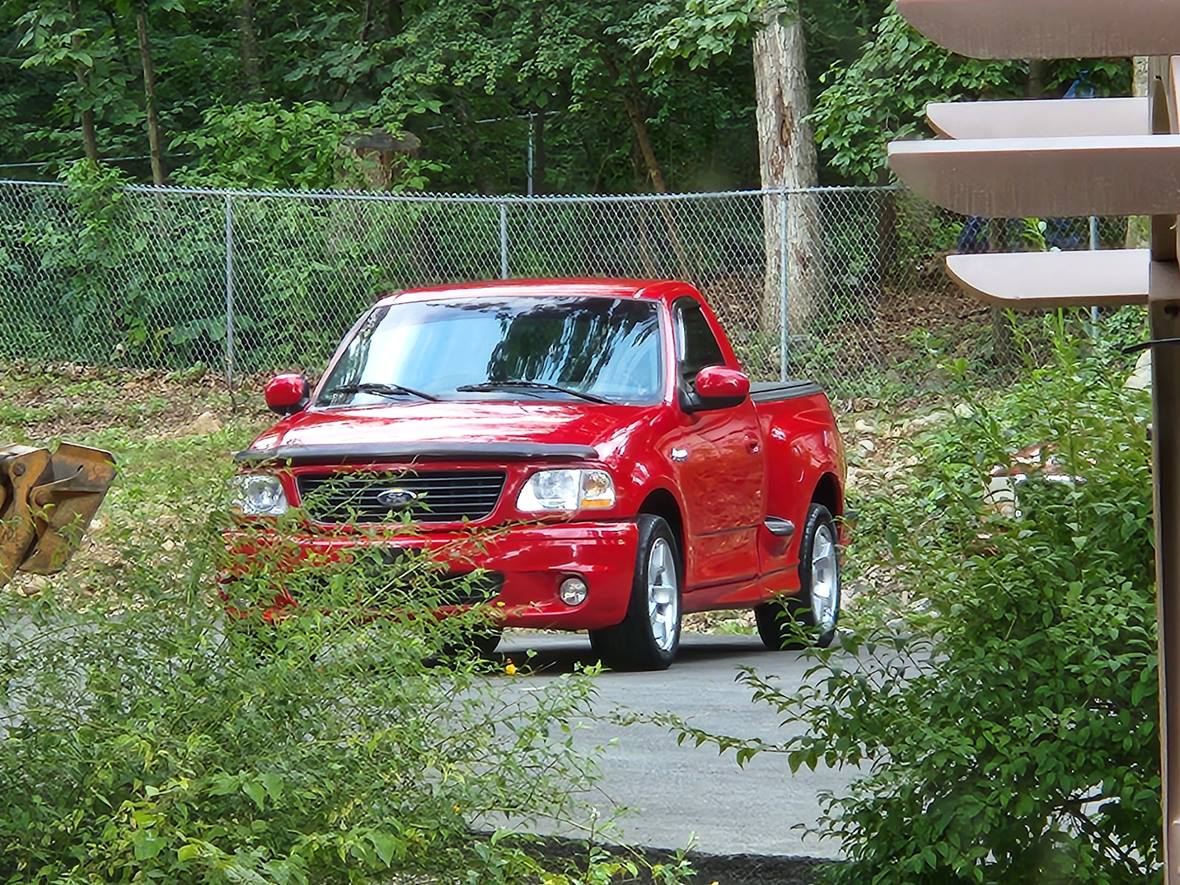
(605, 423)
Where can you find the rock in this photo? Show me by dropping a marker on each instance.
(962, 410)
(1141, 378)
(924, 421)
(205, 424)
(863, 426)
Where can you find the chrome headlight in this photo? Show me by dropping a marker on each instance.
(257, 494)
(557, 491)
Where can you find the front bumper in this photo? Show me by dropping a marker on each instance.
(531, 560)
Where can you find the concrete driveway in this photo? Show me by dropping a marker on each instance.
(676, 793)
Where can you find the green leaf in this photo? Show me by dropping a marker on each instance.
(188, 852)
(147, 844)
(386, 845)
(256, 791)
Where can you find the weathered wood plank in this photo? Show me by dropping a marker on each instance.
(1131, 175)
(1048, 28)
(1052, 118)
(1040, 280)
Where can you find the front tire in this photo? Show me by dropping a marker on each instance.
(478, 642)
(817, 607)
(649, 635)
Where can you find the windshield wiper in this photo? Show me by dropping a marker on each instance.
(387, 390)
(533, 385)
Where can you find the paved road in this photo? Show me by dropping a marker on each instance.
(674, 793)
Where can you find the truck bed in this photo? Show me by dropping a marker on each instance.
(778, 391)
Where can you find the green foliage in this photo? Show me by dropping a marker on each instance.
(702, 30)
(48, 35)
(463, 77)
(1001, 701)
(882, 94)
(469, 78)
(147, 736)
(130, 278)
(268, 145)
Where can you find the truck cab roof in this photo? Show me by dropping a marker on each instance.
(654, 290)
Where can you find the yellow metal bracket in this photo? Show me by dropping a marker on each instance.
(46, 503)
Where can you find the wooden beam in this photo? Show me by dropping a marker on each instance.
(1053, 118)
(1132, 175)
(1048, 28)
(1041, 280)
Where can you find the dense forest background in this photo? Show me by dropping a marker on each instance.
(457, 95)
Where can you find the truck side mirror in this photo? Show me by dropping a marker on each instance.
(717, 387)
(287, 394)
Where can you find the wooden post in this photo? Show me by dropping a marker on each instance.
(1099, 157)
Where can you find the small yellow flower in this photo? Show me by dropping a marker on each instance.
(455, 808)
(500, 603)
(510, 668)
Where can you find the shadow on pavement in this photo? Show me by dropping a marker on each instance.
(549, 654)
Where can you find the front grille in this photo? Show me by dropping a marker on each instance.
(393, 590)
(433, 496)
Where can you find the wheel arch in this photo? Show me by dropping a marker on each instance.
(661, 502)
(829, 494)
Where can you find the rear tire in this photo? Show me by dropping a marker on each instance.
(649, 635)
(817, 607)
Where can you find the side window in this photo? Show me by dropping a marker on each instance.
(696, 346)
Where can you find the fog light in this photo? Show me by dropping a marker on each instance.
(573, 591)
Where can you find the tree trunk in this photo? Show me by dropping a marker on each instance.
(394, 17)
(248, 40)
(537, 124)
(1139, 226)
(474, 148)
(885, 260)
(117, 35)
(786, 148)
(1001, 325)
(362, 39)
(655, 173)
(638, 120)
(1038, 70)
(643, 141)
(82, 73)
(159, 170)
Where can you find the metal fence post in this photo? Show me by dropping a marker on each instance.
(784, 294)
(1095, 245)
(229, 295)
(503, 241)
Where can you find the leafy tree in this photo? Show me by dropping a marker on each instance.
(472, 81)
(635, 95)
(882, 94)
(269, 144)
(55, 38)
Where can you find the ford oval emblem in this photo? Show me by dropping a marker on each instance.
(396, 499)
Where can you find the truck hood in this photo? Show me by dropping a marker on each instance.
(450, 426)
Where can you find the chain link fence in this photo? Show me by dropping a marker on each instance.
(827, 283)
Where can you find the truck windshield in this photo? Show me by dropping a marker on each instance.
(593, 347)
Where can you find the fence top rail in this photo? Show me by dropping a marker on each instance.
(480, 199)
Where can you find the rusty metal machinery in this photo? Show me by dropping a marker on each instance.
(47, 501)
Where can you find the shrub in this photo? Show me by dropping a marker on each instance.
(145, 736)
(1001, 706)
